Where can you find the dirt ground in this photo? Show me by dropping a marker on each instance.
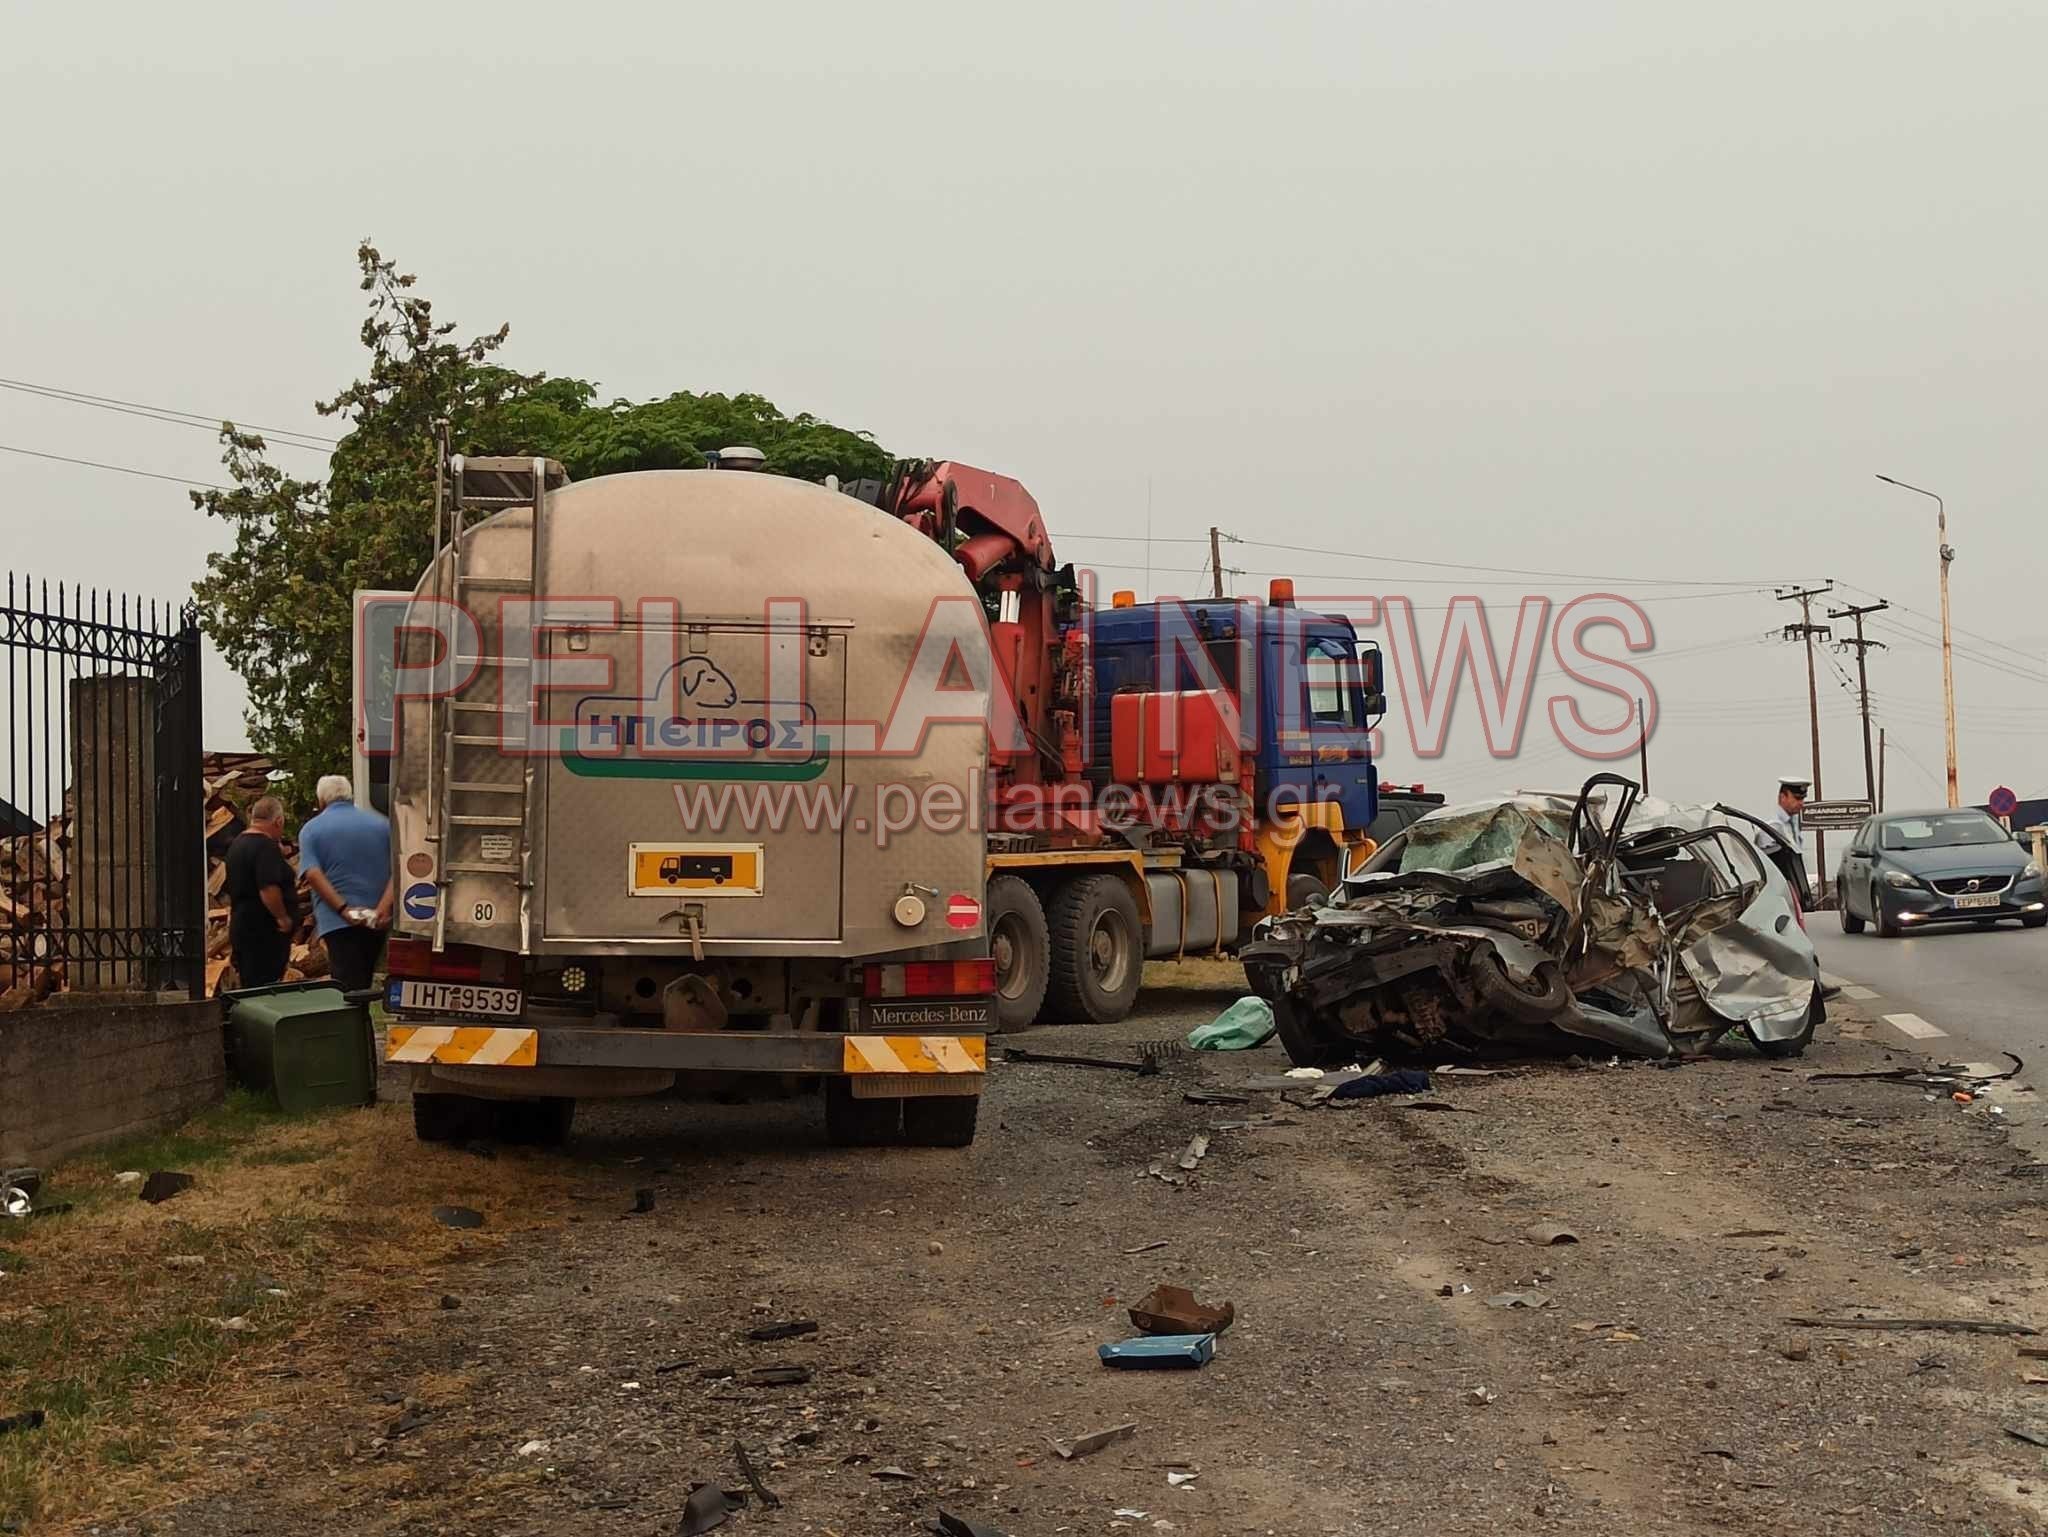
(567, 1368)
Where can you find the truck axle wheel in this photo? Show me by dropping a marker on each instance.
(940, 1120)
(1097, 960)
(1018, 943)
(854, 1122)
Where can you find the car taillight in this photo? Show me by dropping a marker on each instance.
(931, 979)
(416, 958)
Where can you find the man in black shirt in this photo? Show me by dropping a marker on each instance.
(263, 898)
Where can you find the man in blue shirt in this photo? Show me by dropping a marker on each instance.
(345, 856)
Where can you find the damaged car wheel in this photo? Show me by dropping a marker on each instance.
(1540, 999)
(1305, 1047)
(1794, 1045)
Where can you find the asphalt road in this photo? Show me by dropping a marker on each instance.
(1986, 989)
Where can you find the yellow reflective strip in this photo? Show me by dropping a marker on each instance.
(505, 1048)
(950, 1055)
(871, 1054)
(416, 1043)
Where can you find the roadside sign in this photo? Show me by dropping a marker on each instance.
(2003, 802)
(1832, 816)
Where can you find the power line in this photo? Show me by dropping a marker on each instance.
(312, 441)
(121, 469)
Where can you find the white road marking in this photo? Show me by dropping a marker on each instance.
(1861, 994)
(1913, 1025)
(1831, 980)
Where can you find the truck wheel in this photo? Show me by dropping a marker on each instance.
(1302, 890)
(1017, 940)
(536, 1122)
(940, 1120)
(1097, 960)
(447, 1117)
(853, 1122)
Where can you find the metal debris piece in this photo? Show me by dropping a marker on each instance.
(1518, 1300)
(2031, 1437)
(1154, 1352)
(1545, 1234)
(15, 1202)
(1181, 1480)
(1174, 1310)
(950, 1525)
(643, 1202)
(769, 1499)
(778, 1376)
(1145, 1067)
(1094, 1441)
(1938, 1325)
(1147, 1248)
(795, 1328)
(707, 1509)
(1215, 1097)
(893, 1475)
(448, 1216)
(164, 1184)
(1756, 1232)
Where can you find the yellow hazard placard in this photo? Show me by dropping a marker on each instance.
(463, 1045)
(915, 1054)
(701, 869)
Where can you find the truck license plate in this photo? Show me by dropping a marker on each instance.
(464, 998)
(1979, 899)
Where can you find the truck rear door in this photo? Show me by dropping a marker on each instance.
(715, 801)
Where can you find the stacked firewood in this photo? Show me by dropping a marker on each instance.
(34, 880)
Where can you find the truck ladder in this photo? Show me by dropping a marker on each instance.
(483, 816)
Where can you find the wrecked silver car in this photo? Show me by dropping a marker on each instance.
(1542, 922)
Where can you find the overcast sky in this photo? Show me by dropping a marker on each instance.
(1614, 289)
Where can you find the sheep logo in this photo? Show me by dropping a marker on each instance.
(701, 681)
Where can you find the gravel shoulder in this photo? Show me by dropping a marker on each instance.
(571, 1377)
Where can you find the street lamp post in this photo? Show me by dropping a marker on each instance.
(1948, 665)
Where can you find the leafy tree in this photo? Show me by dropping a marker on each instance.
(277, 602)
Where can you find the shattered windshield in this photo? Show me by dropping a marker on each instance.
(1461, 837)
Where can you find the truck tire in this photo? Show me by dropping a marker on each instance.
(1304, 889)
(941, 1120)
(1018, 941)
(854, 1122)
(535, 1122)
(447, 1117)
(1097, 953)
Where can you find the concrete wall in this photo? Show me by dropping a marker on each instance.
(89, 1070)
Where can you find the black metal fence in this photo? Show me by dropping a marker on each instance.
(102, 853)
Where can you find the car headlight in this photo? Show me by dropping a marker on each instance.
(2031, 871)
(1899, 878)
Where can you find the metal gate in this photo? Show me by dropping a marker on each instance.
(102, 851)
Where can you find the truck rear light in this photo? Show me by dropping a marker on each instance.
(931, 979)
(416, 958)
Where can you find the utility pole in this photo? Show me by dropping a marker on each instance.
(1216, 562)
(1880, 768)
(1856, 612)
(1807, 630)
(1948, 662)
(1643, 746)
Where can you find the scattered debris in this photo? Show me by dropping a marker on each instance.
(1144, 1067)
(778, 1376)
(1215, 1097)
(447, 1216)
(239, 1324)
(1181, 1480)
(893, 1475)
(531, 1449)
(2031, 1437)
(769, 1499)
(950, 1525)
(1546, 1234)
(1762, 1232)
(935, 1248)
(164, 1184)
(1194, 1152)
(708, 1508)
(1940, 1325)
(1094, 1441)
(1518, 1300)
(184, 1261)
(450, 1303)
(30, 1420)
(128, 1177)
(1147, 1248)
(1304, 1072)
(1795, 1352)
(1245, 1024)
(795, 1328)
(1716, 1451)
(1159, 1351)
(407, 1422)
(1450, 1070)
(2034, 1352)
(1480, 1397)
(1174, 1310)
(643, 1202)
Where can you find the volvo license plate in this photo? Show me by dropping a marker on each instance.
(1979, 899)
(464, 998)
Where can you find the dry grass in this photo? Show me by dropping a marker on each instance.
(118, 1345)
